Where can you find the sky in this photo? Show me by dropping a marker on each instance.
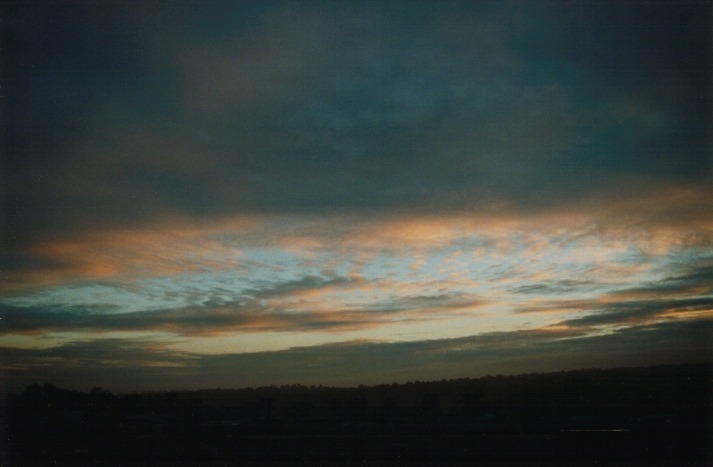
(230, 194)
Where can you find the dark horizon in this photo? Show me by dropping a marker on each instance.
(484, 354)
(660, 414)
(572, 372)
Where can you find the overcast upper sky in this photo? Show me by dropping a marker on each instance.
(205, 194)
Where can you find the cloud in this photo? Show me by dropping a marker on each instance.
(251, 275)
(694, 280)
(643, 311)
(291, 168)
(118, 363)
(433, 303)
(362, 109)
(171, 247)
(130, 364)
(661, 295)
(554, 287)
(208, 320)
(254, 313)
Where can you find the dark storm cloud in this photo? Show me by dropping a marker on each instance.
(127, 364)
(118, 114)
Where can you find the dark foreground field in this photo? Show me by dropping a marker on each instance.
(655, 415)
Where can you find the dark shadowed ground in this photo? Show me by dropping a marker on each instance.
(653, 415)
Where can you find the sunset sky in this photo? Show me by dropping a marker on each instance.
(229, 194)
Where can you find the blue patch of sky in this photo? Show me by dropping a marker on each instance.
(386, 266)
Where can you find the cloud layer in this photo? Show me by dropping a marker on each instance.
(358, 108)
(188, 189)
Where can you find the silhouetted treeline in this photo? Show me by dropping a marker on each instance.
(628, 414)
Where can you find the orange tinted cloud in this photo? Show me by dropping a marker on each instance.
(166, 249)
(673, 217)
